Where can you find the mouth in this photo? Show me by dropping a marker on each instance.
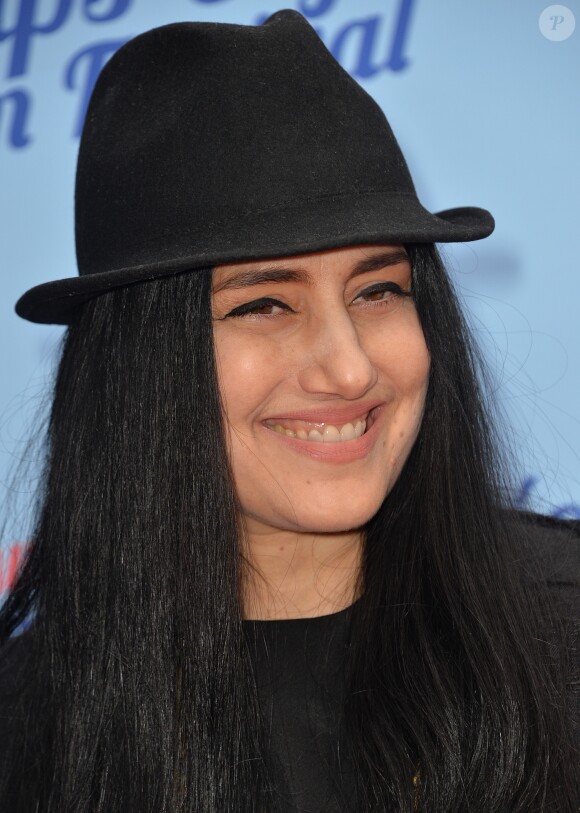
(322, 431)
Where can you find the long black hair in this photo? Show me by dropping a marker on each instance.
(139, 693)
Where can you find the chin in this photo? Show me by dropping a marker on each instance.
(335, 518)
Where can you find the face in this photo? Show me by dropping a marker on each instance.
(323, 372)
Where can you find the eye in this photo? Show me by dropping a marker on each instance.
(382, 294)
(264, 307)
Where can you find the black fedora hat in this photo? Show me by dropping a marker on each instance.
(207, 143)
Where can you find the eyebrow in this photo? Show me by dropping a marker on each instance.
(245, 279)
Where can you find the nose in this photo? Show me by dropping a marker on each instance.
(336, 362)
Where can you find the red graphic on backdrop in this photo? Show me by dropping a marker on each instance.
(10, 559)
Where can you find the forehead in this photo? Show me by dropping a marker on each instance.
(303, 267)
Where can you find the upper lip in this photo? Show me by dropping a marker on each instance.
(334, 415)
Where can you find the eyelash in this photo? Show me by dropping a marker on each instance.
(247, 308)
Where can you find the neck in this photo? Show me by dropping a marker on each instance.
(299, 575)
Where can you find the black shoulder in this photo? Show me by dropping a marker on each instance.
(549, 554)
(552, 547)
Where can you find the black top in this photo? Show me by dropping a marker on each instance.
(299, 672)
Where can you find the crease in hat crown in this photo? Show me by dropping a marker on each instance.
(215, 142)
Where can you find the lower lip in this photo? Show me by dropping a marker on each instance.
(340, 452)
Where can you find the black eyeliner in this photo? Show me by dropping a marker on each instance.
(247, 307)
(385, 286)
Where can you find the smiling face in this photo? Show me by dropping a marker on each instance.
(323, 371)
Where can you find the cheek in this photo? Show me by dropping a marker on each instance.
(412, 382)
(246, 372)
(410, 367)
(403, 359)
(417, 371)
(405, 368)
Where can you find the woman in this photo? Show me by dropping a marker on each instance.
(275, 565)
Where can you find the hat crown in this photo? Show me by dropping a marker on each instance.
(194, 124)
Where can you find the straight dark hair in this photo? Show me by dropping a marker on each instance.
(139, 694)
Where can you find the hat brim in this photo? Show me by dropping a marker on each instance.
(376, 218)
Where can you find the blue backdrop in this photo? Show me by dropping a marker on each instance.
(483, 98)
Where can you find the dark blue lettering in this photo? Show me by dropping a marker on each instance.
(26, 27)
(569, 511)
(310, 9)
(20, 104)
(368, 29)
(116, 9)
(522, 498)
(397, 62)
(94, 58)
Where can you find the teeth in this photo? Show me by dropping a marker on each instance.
(329, 434)
(347, 432)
